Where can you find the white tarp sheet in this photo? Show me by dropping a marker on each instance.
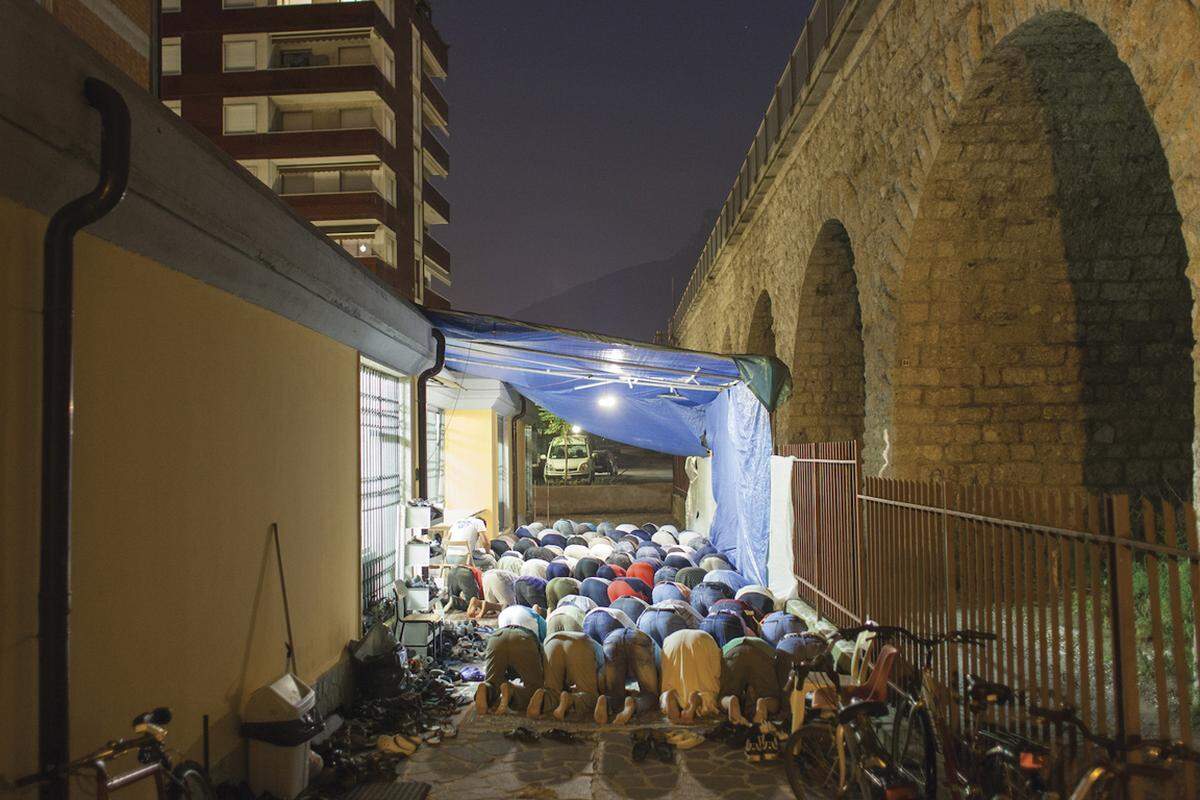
(781, 572)
(700, 504)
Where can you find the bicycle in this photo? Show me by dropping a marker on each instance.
(1112, 770)
(838, 752)
(183, 781)
(970, 763)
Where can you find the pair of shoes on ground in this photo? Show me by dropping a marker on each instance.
(763, 744)
(647, 742)
(529, 735)
(397, 744)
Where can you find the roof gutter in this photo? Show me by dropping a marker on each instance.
(439, 361)
(58, 311)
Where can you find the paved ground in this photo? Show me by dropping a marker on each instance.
(481, 764)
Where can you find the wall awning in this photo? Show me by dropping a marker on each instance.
(646, 395)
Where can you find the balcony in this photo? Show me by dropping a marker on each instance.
(436, 55)
(385, 6)
(437, 158)
(329, 125)
(311, 144)
(310, 51)
(434, 105)
(435, 301)
(341, 206)
(437, 207)
(436, 256)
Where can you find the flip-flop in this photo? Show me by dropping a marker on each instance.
(684, 740)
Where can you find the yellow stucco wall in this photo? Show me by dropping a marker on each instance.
(471, 465)
(199, 420)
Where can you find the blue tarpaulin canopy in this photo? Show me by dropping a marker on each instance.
(654, 397)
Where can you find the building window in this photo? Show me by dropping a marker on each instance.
(241, 118)
(298, 183)
(358, 54)
(385, 449)
(171, 59)
(297, 120)
(502, 458)
(290, 59)
(170, 5)
(435, 463)
(356, 181)
(389, 67)
(355, 118)
(175, 105)
(238, 4)
(241, 55)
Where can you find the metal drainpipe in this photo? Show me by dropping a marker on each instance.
(54, 593)
(513, 463)
(439, 361)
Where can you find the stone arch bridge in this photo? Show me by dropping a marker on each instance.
(972, 230)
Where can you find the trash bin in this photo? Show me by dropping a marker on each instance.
(279, 720)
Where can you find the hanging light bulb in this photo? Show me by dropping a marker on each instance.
(607, 401)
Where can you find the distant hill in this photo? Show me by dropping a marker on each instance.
(633, 302)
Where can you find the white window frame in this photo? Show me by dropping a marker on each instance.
(230, 42)
(172, 44)
(226, 130)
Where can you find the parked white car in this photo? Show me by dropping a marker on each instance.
(569, 459)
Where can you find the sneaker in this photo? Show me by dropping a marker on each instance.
(770, 746)
(754, 749)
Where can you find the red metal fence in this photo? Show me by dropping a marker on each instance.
(1094, 600)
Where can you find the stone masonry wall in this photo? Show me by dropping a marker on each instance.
(828, 402)
(880, 153)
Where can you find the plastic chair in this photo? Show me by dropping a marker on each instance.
(874, 688)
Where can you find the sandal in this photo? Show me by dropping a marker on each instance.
(684, 740)
(523, 734)
(560, 735)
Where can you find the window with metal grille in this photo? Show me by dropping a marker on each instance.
(435, 468)
(385, 456)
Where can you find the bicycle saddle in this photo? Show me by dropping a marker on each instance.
(870, 708)
(158, 716)
(986, 693)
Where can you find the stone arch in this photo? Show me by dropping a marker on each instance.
(761, 338)
(1045, 316)
(828, 400)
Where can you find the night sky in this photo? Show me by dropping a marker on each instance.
(590, 137)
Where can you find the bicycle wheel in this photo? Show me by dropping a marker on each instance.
(914, 752)
(810, 758)
(189, 783)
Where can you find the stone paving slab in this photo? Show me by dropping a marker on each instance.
(480, 763)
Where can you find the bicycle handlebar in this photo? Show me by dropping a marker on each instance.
(962, 636)
(1167, 749)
